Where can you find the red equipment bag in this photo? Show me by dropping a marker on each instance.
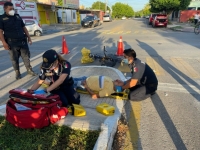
(34, 115)
(24, 94)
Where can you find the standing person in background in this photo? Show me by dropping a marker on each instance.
(196, 18)
(14, 36)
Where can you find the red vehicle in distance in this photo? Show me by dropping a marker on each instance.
(151, 17)
(160, 20)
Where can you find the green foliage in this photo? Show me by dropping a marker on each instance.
(139, 13)
(184, 4)
(52, 138)
(144, 12)
(168, 5)
(119, 10)
(99, 5)
(60, 3)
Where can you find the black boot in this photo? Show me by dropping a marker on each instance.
(18, 75)
(31, 72)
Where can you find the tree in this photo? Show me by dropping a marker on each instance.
(99, 5)
(146, 10)
(119, 10)
(60, 3)
(168, 5)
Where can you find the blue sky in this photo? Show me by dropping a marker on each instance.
(136, 4)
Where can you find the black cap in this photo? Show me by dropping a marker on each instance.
(49, 57)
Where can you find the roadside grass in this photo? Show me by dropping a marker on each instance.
(49, 138)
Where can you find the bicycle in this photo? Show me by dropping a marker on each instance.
(107, 59)
(197, 28)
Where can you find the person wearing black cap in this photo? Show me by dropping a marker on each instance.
(57, 70)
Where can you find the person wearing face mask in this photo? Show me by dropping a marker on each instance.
(55, 71)
(14, 36)
(143, 82)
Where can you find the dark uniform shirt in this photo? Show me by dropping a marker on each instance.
(52, 76)
(141, 71)
(12, 26)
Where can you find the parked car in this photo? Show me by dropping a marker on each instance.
(160, 20)
(151, 17)
(107, 18)
(33, 27)
(90, 21)
(123, 18)
(147, 17)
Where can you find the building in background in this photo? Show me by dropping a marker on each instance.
(46, 14)
(188, 14)
(98, 13)
(27, 10)
(194, 5)
(68, 11)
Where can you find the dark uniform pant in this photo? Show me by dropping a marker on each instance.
(195, 21)
(142, 92)
(68, 95)
(19, 48)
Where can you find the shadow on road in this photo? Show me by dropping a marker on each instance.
(175, 73)
(168, 123)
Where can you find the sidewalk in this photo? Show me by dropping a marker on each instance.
(60, 27)
(183, 27)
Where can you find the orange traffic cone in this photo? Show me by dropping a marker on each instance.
(64, 46)
(120, 48)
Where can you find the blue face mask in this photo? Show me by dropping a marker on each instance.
(125, 61)
(118, 88)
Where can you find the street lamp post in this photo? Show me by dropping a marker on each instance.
(53, 8)
(105, 6)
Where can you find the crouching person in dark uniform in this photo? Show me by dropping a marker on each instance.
(143, 82)
(56, 71)
(14, 35)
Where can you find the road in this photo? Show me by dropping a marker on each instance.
(168, 120)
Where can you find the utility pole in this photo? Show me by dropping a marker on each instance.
(105, 6)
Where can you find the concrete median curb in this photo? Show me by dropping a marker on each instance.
(2, 110)
(108, 130)
(45, 31)
(109, 127)
(180, 28)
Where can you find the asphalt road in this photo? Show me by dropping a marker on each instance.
(168, 120)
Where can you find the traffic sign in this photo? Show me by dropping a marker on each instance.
(22, 5)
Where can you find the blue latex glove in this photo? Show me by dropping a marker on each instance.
(40, 92)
